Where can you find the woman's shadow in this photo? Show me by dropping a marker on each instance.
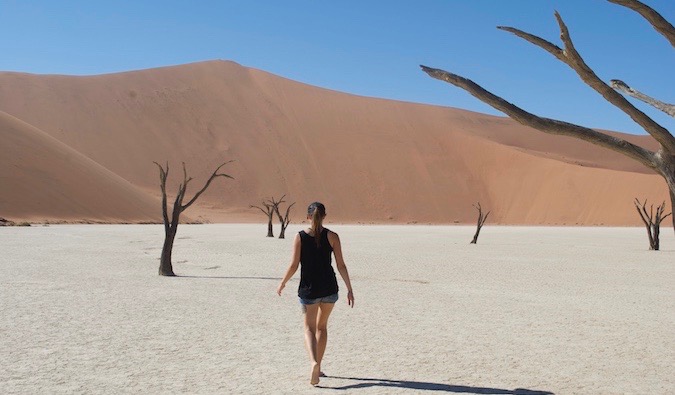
(419, 385)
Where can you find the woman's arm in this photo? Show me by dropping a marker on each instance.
(334, 240)
(293, 267)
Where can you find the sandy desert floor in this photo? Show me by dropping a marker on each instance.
(526, 311)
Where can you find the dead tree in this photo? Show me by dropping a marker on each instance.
(271, 206)
(652, 222)
(269, 211)
(662, 161)
(275, 209)
(481, 221)
(171, 225)
(283, 220)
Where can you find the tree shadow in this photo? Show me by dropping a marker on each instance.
(419, 385)
(232, 277)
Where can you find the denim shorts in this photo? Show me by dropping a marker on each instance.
(326, 299)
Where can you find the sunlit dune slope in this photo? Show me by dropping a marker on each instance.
(368, 159)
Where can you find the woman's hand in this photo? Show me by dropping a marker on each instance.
(280, 288)
(350, 299)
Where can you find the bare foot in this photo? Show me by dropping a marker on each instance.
(316, 371)
(322, 374)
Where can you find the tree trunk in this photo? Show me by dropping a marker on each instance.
(667, 170)
(671, 186)
(284, 221)
(165, 266)
(649, 227)
(270, 232)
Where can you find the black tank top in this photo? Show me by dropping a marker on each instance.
(317, 277)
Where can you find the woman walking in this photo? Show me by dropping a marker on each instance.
(318, 290)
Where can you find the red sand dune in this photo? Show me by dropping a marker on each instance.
(368, 159)
(44, 179)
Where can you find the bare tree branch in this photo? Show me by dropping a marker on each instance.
(176, 205)
(185, 176)
(485, 218)
(623, 87)
(288, 210)
(641, 209)
(266, 212)
(283, 220)
(538, 41)
(659, 23)
(659, 212)
(213, 175)
(163, 174)
(546, 125)
(275, 204)
(573, 59)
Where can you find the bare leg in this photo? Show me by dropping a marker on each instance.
(322, 330)
(311, 311)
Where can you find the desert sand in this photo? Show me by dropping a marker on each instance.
(370, 160)
(528, 310)
(47, 180)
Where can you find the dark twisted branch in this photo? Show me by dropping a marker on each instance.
(573, 59)
(208, 182)
(182, 189)
(546, 125)
(275, 204)
(163, 174)
(659, 23)
(288, 210)
(283, 220)
(266, 211)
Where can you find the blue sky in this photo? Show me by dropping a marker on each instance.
(370, 48)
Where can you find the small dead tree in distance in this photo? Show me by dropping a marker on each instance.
(271, 206)
(661, 161)
(652, 222)
(481, 222)
(275, 209)
(171, 226)
(269, 211)
(283, 220)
